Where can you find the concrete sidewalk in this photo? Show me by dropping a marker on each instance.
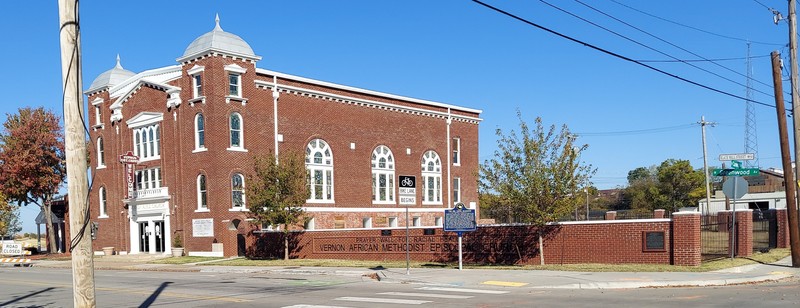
(474, 278)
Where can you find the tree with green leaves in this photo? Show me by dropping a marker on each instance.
(535, 176)
(277, 190)
(671, 185)
(9, 218)
(32, 161)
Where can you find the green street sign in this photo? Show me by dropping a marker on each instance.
(735, 172)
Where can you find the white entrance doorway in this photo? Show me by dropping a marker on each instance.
(150, 228)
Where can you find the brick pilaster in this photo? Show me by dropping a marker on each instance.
(686, 246)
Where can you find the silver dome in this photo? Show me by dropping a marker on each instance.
(218, 40)
(111, 77)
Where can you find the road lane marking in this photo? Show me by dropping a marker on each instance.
(427, 295)
(312, 306)
(463, 290)
(382, 300)
(505, 283)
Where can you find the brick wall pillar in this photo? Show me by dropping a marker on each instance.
(782, 218)
(686, 247)
(744, 233)
(658, 214)
(612, 215)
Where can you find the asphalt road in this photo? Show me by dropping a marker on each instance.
(45, 287)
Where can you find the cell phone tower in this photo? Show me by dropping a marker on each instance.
(750, 131)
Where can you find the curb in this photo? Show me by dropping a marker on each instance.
(668, 284)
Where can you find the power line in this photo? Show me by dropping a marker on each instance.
(701, 60)
(684, 49)
(695, 28)
(639, 131)
(616, 54)
(765, 6)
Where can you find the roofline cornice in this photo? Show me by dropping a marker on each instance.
(363, 91)
(365, 102)
(215, 51)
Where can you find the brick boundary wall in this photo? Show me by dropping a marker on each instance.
(744, 232)
(782, 217)
(686, 245)
(611, 242)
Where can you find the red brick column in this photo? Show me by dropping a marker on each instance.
(744, 233)
(686, 238)
(782, 218)
(659, 214)
(612, 215)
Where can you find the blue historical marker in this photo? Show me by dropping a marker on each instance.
(460, 219)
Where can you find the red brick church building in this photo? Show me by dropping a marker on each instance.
(196, 126)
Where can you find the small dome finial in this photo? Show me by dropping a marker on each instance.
(118, 65)
(216, 19)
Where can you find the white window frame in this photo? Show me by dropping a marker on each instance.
(197, 94)
(101, 153)
(103, 197)
(149, 178)
(236, 71)
(243, 206)
(456, 151)
(147, 142)
(201, 192)
(366, 222)
(98, 112)
(416, 221)
(311, 224)
(232, 147)
(393, 222)
(439, 221)
(431, 178)
(323, 166)
(199, 143)
(456, 190)
(383, 167)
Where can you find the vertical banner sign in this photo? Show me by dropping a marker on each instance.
(130, 162)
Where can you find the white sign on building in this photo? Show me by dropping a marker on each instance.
(203, 227)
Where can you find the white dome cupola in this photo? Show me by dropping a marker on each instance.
(110, 78)
(218, 41)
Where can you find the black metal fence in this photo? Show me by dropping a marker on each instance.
(765, 230)
(714, 236)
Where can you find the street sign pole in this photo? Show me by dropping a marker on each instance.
(732, 245)
(408, 254)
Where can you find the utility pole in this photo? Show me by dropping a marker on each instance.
(703, 124)
(792, 208)
(786, 159)
(75, 148)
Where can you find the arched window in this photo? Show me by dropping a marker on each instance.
(199, 132)
(147, 142)
(236, 131)
(103, 204)
(202, 193)
(319, 171)
(431, 178)
(382, 175)
(237, 191)
(101, 154)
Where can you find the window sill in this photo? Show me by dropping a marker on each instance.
(236, 209)
(199, 150)
(201, 99)
(102, 216)
(457, 165)
(99, 126)
(320, 201)
(101, 167)
(202, 211)
(151, 158)
(384, 202)
(237, 150)
(230, 98)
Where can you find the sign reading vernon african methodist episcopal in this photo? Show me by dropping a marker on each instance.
(130, 162)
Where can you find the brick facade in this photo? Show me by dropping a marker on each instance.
(353, 122)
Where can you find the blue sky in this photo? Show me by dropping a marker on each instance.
(456, 52)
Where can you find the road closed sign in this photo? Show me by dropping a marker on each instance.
(14, 249)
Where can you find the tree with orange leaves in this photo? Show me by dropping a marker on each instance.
(32, 161)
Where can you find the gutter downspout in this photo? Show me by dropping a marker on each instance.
(275, 96)
(449, 161)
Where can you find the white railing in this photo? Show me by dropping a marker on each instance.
(151, 193)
